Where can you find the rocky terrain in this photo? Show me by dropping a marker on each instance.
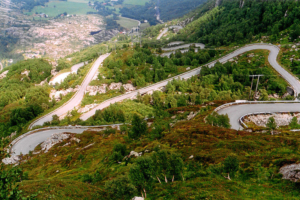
(3, 75)
(283, 119)
(290, 172)
(57, 95)
(94, 90)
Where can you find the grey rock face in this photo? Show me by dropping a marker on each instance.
(290, 172)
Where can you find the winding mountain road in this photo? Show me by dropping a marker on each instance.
(76, 99)
(31, 141)
(184, 46)
(274, 50)
(61, 77)
(234, 112)
(165, 30)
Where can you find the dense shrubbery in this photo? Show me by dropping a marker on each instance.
(20, 100)
(110, 114)
(218, 120)
(140, 66)
(234, 24)
(15, 85)
(62, 64)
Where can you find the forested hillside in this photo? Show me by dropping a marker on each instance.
(168, 9)
(232, 22)
(28, 5)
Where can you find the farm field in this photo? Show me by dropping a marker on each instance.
(136, 2)
(55, 8)
(144, 26)
(79, 1)
(127, 23)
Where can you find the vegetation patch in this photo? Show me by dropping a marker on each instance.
(55, 8)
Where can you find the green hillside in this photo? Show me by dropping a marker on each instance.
(171, 144)
(230, 23)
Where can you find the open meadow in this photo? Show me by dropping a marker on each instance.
(127, 23)
(55, 8)
(136, 2)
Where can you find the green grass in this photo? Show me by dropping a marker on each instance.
(60, 189)
(61, 7)
(127, 23)
(136, 2)
(80, 1)
(144, 26)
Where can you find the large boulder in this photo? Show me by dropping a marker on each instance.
(57, 94)
(11, 160)
(138, 198)
(290, 172)
(129, 87)
(53, 140)
(290, 91)
(3, 75)
(26, 72)
(115, 86)
(93, 90)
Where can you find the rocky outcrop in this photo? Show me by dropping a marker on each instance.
(26, 72)
(192, 115)
(54, 72)
(286, 13)
(11, 160)
(185, 22)
(93, 90)
(133, 153)
(242, 2)
(129, 87)
(290, 172)
(115, 86)
(290, 91)
(58, 94)
(280, 119)
(3, 75)
(53, 140)
(42, 83)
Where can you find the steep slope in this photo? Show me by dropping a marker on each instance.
(238, 21)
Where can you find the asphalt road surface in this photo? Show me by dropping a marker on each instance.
(237, 111)
(31, 141)
(75, 68)
(184, 46)
(76, 99)
(60, 78)
(162, 33)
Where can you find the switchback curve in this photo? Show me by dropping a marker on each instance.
(234, 112)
